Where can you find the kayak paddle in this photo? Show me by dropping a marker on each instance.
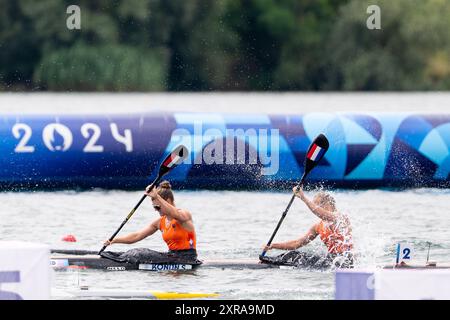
(173, 159)
(315, 153)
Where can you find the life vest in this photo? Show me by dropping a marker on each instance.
(336, 236)
(177, 237)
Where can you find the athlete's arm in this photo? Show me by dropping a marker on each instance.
(172, 212)
(138, 235)
(295, 244)
(320, 212)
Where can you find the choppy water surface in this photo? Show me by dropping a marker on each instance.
(229, 225)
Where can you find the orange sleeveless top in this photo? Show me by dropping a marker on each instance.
(176, 237)
(337, 237)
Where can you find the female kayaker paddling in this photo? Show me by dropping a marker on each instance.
(334, 229)
(175, 224)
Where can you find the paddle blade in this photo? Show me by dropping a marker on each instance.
(176, 157)
(316, 152)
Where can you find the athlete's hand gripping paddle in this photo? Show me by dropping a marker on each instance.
(176, 157)
(315, 153)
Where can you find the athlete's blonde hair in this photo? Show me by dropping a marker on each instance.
(165, 190)
(325, 198)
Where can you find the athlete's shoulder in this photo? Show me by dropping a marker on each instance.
(342, 219)
(185, 213)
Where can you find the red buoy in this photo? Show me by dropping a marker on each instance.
(69, 238)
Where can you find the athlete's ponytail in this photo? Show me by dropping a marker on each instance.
(165, 191)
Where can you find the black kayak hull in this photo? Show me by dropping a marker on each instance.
(82, 259)
(100, 263)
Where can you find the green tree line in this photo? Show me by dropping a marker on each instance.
(202, 45)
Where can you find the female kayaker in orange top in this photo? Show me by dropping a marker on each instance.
(334, 229)
(175, 224)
